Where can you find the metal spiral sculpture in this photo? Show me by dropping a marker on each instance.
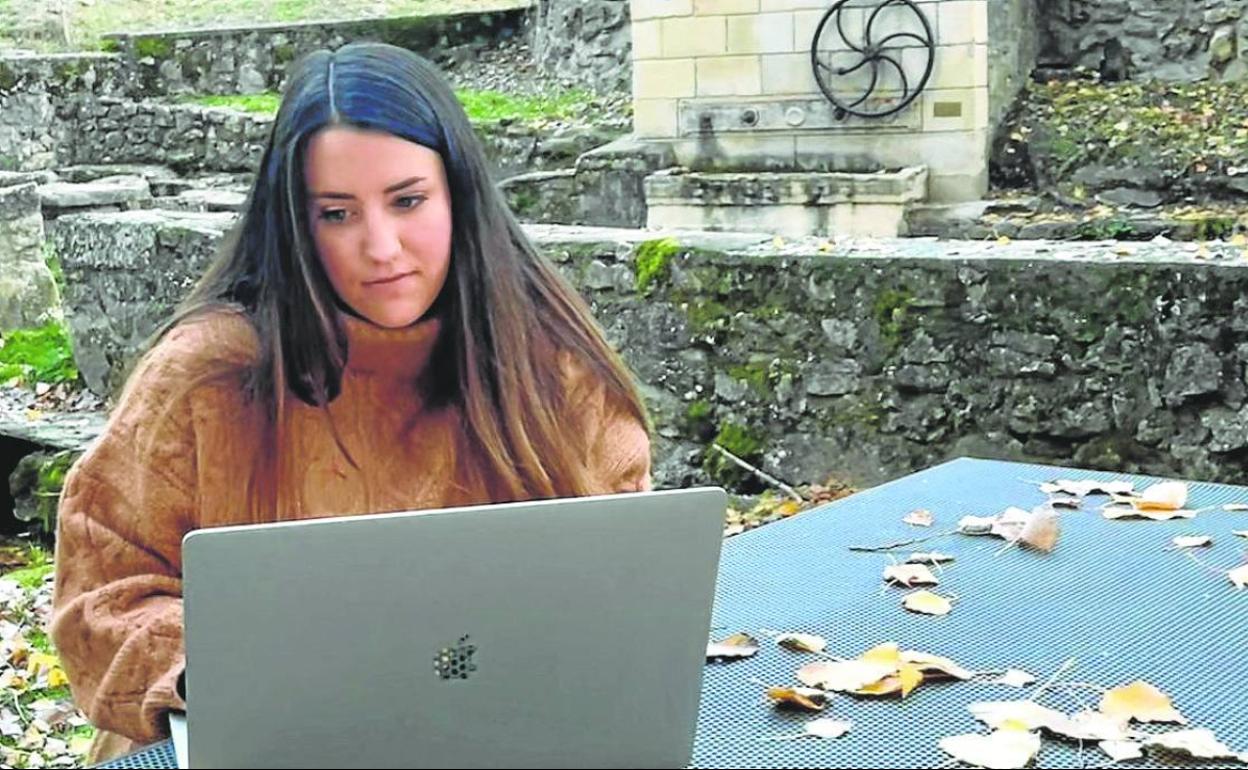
(878, 54)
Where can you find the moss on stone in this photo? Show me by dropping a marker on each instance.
(891, 311)
(153, 46)
(741, 441)
(653, 260)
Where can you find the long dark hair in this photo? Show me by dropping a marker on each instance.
(508, 318)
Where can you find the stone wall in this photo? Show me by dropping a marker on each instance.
(254, 58)
(1013, 42)
(587, 42)
(28, 294)
(864, 361)
(1183, 41)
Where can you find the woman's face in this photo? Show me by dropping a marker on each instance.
(380, 214)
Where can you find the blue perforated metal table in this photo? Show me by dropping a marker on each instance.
(1111, 596)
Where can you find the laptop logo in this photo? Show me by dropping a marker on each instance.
(455, 662)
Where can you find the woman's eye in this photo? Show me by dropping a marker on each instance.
(334, 215)
(409, 201)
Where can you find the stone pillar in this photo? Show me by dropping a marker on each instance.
(28, 294)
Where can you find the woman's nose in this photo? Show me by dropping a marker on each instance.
(381, 239)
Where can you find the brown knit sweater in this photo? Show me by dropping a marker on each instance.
(146, 482)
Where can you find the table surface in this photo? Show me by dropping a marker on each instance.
(1111, 596)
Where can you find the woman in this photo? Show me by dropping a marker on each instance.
(376, 335)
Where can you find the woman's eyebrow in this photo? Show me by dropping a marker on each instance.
(392, 188)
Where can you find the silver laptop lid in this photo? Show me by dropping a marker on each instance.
(564, 633)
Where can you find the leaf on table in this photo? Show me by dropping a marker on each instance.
(904, 681)
(1239, 576)
(1199, 743)
(1093, 726)
(1014, 678)
(807, 698)
(1087, 487)
(920, 518)
(1192, 541)
(1029, 714)
(1233, 507)
(1041, 530)
(933, 665)
(931, 557)
(976, 525)
(1165, 496)
(999, 749)
(1009, 524)
(735, 647)
(1240, 533)
(818, 728)
(802, 642)
(1127, 512)
(844, 675)
(910, 575)
(927, 603)
(1142, 702)
(1121, 751)
(1066, 502)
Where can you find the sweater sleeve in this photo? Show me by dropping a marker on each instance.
(117, 601)
(618, 443)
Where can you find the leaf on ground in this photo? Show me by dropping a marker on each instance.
(1142, 702)
(910, 575)
(1014, 678)
(920, 518)
(807, 698)
(927, 603)
(802, 642)
(1199, 743)
(735, 647)
(999, 749)
(1121, 751)
(1192, 541)
(1087, 487)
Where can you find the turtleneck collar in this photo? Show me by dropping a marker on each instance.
(375, 351)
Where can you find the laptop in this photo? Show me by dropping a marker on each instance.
(558, 633)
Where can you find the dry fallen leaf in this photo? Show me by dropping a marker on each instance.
(1009, 524)
(734, 647)
(1198, 743)
(1235, 507)
(1014, 678)
(920, 518)
(1093, 726)
(976, 525)
(1125, 511)
(1041, 530)
(1192, 541)
(802, 642)
(798, 697)
(818, 728)
(1166, 496)
(1065, 502)
(1000, 749)
(1239, 576)
(1087, 487)
(1142, 702)
(904, 681)
(1029, 714)
(930, 665)
(927, 603)
(934, 558)
(1120, 751)
(910, 575)
(844, 675)
(1240, 533)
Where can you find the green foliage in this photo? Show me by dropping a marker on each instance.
(110, 45)
(53, 262)
(155, 46)
(891, 312)
(265, 103)
(742, 442)
(38, 566)
(654, 262)
(36, 355)
(495, 106)
(1106, 229)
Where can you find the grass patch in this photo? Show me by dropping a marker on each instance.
(38, 565)
(494, 106)
(265, 103)
(1182, 129)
